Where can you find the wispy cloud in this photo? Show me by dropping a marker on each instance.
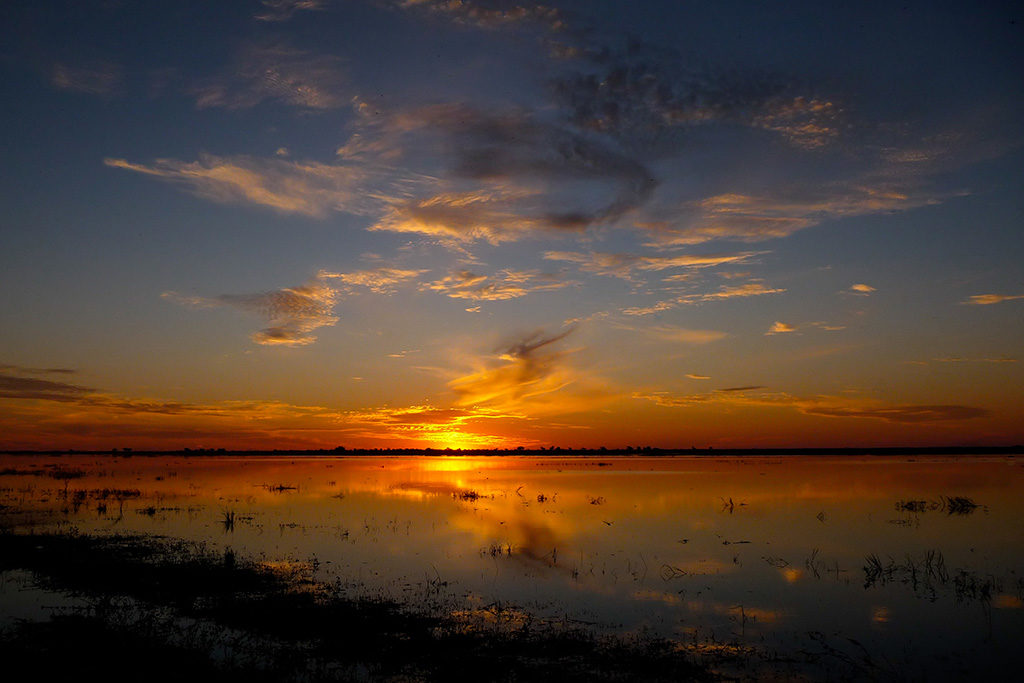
(685, 336)
(694, 376)
(824, 406)
(379, 280)
(102, 78)
(528, 377)
(989, 299)
(752, 288)
(958, 359)
(903, 413)
(275, 73)
(488, 14)
(293, 312)
(755, 218)
(308, 188)
(622, 265)
(675, 334)
(506, 284)
(13, 385)
(283, 10)
(19, 370)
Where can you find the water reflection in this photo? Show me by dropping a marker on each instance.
(911, 558)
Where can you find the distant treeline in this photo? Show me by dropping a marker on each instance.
(644, 451)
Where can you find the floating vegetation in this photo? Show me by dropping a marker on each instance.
(951, 505)
(467, 495)
(599, 500)
(729, 505)
(279, 488)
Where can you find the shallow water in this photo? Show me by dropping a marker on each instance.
(868, 562)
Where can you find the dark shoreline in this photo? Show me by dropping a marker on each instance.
(639, 451)
(201, 615)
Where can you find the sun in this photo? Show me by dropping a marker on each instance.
(457, 440)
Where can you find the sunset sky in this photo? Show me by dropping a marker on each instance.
(475, 223)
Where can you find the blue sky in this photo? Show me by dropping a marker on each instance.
(430, 222)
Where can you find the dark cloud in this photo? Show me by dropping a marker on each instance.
(488, 14)
(13, 386)
(904, 414)
(283, 10)
(18, 370)
(515, 173)
(293, 312)
(275, 72)
(643, 95)
(746, 388)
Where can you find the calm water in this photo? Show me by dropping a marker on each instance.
(869, 561)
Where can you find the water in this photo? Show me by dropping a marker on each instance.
(880, 565)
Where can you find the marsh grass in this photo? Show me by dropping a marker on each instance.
(929, 577)
(260, 624)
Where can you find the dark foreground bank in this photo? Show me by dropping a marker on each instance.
(161, 609)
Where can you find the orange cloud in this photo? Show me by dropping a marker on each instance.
(989, 299)
(780, 328)
(508, 284)
(308, 188)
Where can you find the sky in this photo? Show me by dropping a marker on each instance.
(485, 223)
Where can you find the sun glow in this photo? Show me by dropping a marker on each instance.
(457, 440)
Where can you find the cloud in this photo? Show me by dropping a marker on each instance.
(686, 336)
(903, 414)
(622, 265)
(989, 299)
(755, 218)
(530, 367)
(293, 312)
(862, 289)
(102, 78)
(824, 406)
(679, 335)
(780, 328)
(806, 122)
(282, 10)
(693, 376)
(488, 214)
(753, 288)
(646, 95)
(308, 188)
(379, 280)
(974, 360)
(13, 386)
(18, 370)
(488, 14)
(507, 284)
(275, 73)
(500, 176)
